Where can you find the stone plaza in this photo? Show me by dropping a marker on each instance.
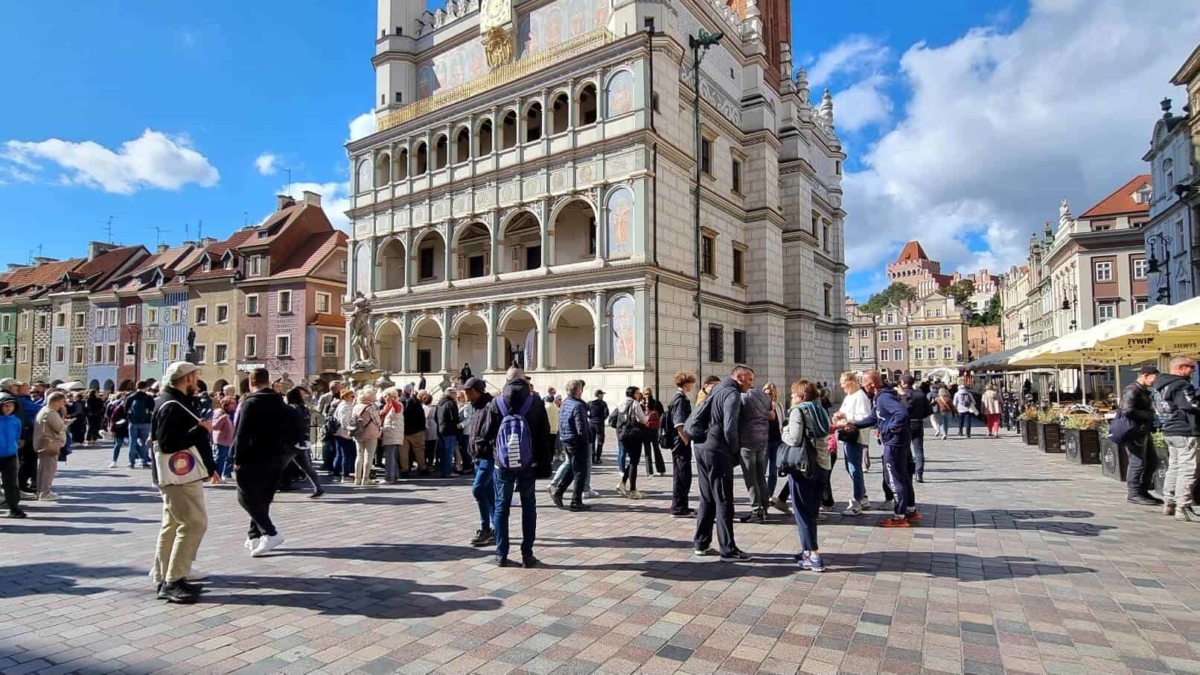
(1023, 564)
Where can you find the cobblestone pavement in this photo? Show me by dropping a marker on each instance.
(1024, 563)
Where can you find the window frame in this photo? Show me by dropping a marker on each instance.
(1107, 266)
(201, 353)
(1143, 266)
(131, 314)
(251, 346)
(328, 297)
(152, 315)
(22, 353)
(739, 264)
(898, 354)
(739, 336)
(150, 352)
(41, 354)
(253, 297)
(98, 318)
(735, 170)
(1111, 308)
(283, 353)
(196, 312)
(219, 307)
(217, 347)
(114, 316)
(173, 349)
(98, 353)
(947, 353)
(708, 148)
(279, 301)
(60, 353)
(78, 355)
(716, 343)
(708, 267)
(336, 344)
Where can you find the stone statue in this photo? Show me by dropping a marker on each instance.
(360, 333)
(191, 355)
(1064, 209)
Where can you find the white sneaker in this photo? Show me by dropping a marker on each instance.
(266, 545)
(47, 497)
(592, 494)
(853, 510)
(250, 544)
(889, 505)
(112, 465)
(196, 574)
(865, 503)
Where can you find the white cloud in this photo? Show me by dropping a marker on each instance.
(335, 200)
(153, 160)
(1002, 125)
(265, 163)
(362, 126)
(862, 104)
(856, 54)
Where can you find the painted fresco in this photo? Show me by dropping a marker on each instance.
(451, 68)
(553, 24)
(620, 222)
(623, 341)
(619, 95)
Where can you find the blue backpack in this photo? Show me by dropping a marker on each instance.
(514, 447)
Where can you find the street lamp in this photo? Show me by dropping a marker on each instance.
(699, 43)
(1152, 265)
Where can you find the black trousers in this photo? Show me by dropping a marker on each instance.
(633, 457)
(27, 474)
(9, 467)
(303, 459)
(255, 492)
(653, 452)
(715, 469)
(681, 477)
(1143, 462)
(577, 471)
(598, 432)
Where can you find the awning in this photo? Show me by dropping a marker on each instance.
(999, 361)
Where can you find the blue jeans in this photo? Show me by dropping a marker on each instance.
(621, 458)
(117, 443)
(964, 419)
(773, 468)
(224, 466)
(853, 452)
(447, 445)
(484, 491)
(523, 482)
(946, 418)
(139, 436)
(806, 503)
(344, 456)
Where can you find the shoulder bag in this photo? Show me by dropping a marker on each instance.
(182, 466)
(798, 460)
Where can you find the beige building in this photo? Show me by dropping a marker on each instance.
(937, 331)
(863, 347)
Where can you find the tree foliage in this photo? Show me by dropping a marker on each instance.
(991, 315)
(961, 292)
(897, 293)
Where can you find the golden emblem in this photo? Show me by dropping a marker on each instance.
(498, 45)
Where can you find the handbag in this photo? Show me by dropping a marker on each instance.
(798, 460)
(1121, 430)
(182, 466)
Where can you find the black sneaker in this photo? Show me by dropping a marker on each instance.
(557, 499)
(503, 562)
(737, 555)
(483, 538)
(580, 507)
(178, 591)
(17, 513)
(1143, 500)
(316, 494)
(529, 562)
(684, 514)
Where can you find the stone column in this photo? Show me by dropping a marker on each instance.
(447, 319)
(494, 244)
(543, 334)
(410, 258)
(601, 302)
(601, 224)
(495, 130)
(543, 218)
(405, 339)
(521, 133)
(492, 314)
(448, 252)
(601, 98)
(571, 109)
(372, 241)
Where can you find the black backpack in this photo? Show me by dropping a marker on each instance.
(698, 422)
(629, 430)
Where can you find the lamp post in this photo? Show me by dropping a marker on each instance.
(699, 43)
(1152, 265)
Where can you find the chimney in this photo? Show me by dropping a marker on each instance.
(208, 241)
(190, 243)
(13, 267)
(284, 202)
(312, 198)
(95, 248)
(41, 260)
(164, 247)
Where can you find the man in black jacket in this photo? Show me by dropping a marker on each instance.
(716, 456)
(1178, 416)
(414, 434)
(576, 436)
(1138, 408)
(263, 441)
(448, 422)
(482, 450)
(919, 408)
(176, 427)
(676, 441)
(597, 416)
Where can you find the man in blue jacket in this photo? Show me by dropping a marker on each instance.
(575, 434)
(889, 416)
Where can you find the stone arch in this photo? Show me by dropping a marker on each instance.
(618, 93)
(429, 255)
(520, 241)
(400, 166)
(573, 336)
(363, 175)
(220, 385)
(472, 250)
(94, 385)
(509, 128)
(513, 338)
(128, 385)
(560, 112)
(586, 103)
(363, 273)
(620, 214)
(483, 137)
(109, 386)
(421, 159)
(462, 144)
(441, 152)
(425, 343)
(573, 232)
(383, 170)
(469, 341)
(533, 120)
(391, 264)
(389, 345)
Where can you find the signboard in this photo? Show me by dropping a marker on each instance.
(247, 367)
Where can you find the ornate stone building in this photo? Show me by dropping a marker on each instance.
(527, 196)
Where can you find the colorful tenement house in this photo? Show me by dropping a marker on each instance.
(213, 299)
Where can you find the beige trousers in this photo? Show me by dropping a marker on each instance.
(365, 460)
(413, 450)
(47, 468)
(185, 520)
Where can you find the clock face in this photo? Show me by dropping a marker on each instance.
(496, 12)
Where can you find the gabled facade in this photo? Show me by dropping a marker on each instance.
(891, 340)
(212, 302)
(937, 330)
(863, 348)
(1174, 209)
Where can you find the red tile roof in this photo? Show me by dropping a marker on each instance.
(305, 260)
(912, 251)
(1121, 200)
(24, 282)
(98, 270)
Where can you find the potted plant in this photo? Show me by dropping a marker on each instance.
(1081, 438)
(1027, 421)
(1049, 430)
(1114, 459)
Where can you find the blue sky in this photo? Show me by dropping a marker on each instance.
(173, 114)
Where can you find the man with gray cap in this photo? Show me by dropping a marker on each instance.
(176, 428)
(597, 415)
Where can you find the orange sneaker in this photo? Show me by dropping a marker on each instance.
(913, 517)
(893, 522)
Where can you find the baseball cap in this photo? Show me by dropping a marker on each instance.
(7, 382)
(476, 384)
(1145, 370)
(599, 392)
(178, 370)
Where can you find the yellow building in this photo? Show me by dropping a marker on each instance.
(937, 332)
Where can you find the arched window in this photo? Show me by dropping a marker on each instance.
(587, 105)
(401, 165)
(422, 160)
(383, 171)
(484, 137)
(364, 176)
(508, 130)
(560, 112)
(619, 95)
(620, 222)
(440, 151)
(362, 269)
(623, 322)
(462, 146)
(533, 123)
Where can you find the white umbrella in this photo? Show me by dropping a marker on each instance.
(72, 386)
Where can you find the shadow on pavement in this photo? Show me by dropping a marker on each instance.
(372, 597)
(392, 553)
(57, 577)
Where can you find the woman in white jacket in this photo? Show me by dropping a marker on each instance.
(343, 461)
(856, 406)
(392, 428)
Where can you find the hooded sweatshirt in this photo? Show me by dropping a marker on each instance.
(1176, 406)
(514, 394)
(265, 431)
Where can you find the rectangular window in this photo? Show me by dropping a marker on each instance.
(1139, 306)
(864, 352)
(40, 353)
(97, 353)
(251, 305)
(425, 263)
(60, 320)
(112, 316)
(285, 302)
(737, 176)
(706, 155)
(424, 360)
(25, 321)
(283, 345)
(1139, 269)
(897, 336)
(98, 317)
(222, 313)
(60, 354)
(201, 315)
(173, 351)
(825, 237)
(78, 356)
(851, 351)
(251, 345)
(918, 334)
(816, 223)
(151, 315)
(739, 266)
(324, 302)
(1105, 312)
(201, 354)
(80, 320)
(916, 353)
(131, 314)
(898, 354)
(1104, 270)
(41, 322)
(151, 352)
(863, 332)
(883, 336)
(329, 345)
(708, 244)
(23, 353)
(931, 353)
(947, 353)
(883, 354)
(6, 354)
(739, 346)
(221, 352)
(112, 353)
(946, 333)
(255, 265)
(827, 299)
(716, 343)
(174, 315)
